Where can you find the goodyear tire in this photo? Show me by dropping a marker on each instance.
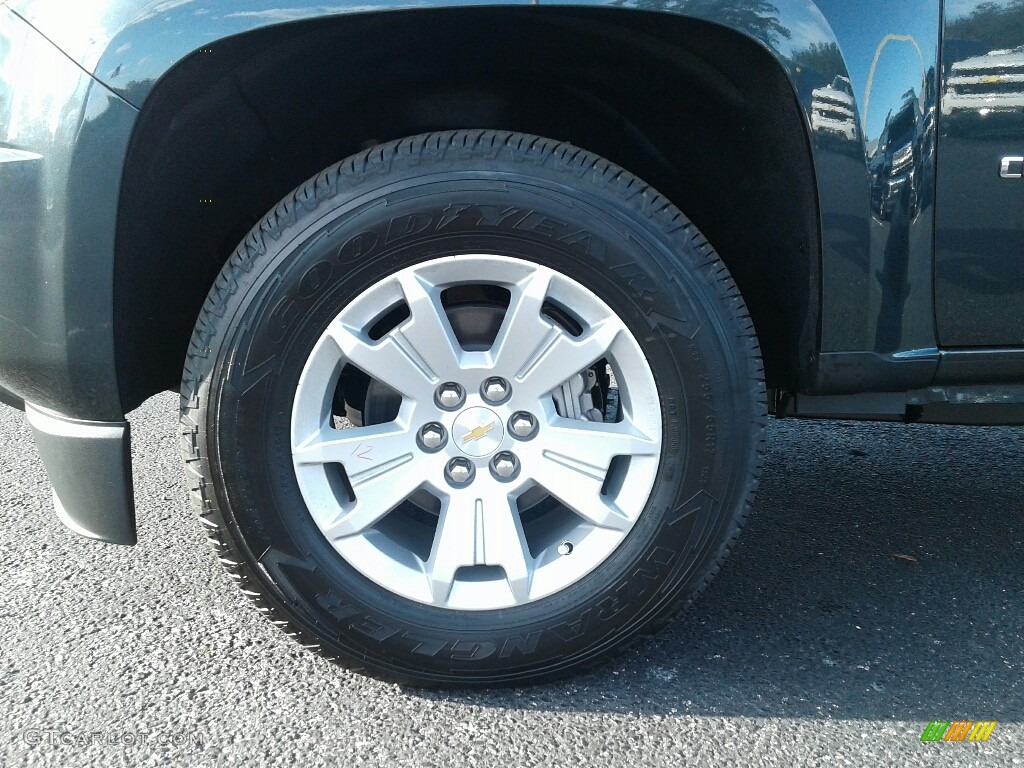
(473, 408)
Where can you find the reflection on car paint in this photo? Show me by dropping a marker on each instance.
(990, 83)
(832, 109)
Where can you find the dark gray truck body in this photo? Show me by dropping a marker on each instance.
(901, 295)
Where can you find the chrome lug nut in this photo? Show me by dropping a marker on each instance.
(432, 436)
(522, 424)
(459, 471)
(495, 390)
(505, 465)
(450, 396)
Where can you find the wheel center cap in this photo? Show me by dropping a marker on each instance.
(478, 431)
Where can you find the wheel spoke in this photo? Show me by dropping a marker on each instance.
(414, 357)
(559, 356)
(379, 487)
(477, 531)
(579, 488)
(358, 449)
(538, 354)
(524, 326)
(597, 443)
(428, 331)
(567, 356)
(392, 360)
(574, 463)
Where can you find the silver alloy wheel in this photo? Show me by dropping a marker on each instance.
(480, 554)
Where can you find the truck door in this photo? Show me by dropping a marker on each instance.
(979, 211)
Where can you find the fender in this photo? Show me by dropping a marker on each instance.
(857, 71)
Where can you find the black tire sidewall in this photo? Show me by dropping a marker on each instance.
(666, 289)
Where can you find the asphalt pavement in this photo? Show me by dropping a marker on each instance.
(878, 586)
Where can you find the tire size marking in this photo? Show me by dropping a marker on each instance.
(673, 424)
(707, 392)
(710, 434)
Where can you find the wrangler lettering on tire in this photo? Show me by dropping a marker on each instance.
(473, 408)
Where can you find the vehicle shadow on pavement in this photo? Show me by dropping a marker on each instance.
(879, 577)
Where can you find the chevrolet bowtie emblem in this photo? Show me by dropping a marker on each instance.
(477, 432)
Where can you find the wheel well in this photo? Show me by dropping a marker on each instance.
(703, 114)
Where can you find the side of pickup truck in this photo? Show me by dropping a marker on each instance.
(478, 312)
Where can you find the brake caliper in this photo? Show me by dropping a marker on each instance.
(575, 398)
